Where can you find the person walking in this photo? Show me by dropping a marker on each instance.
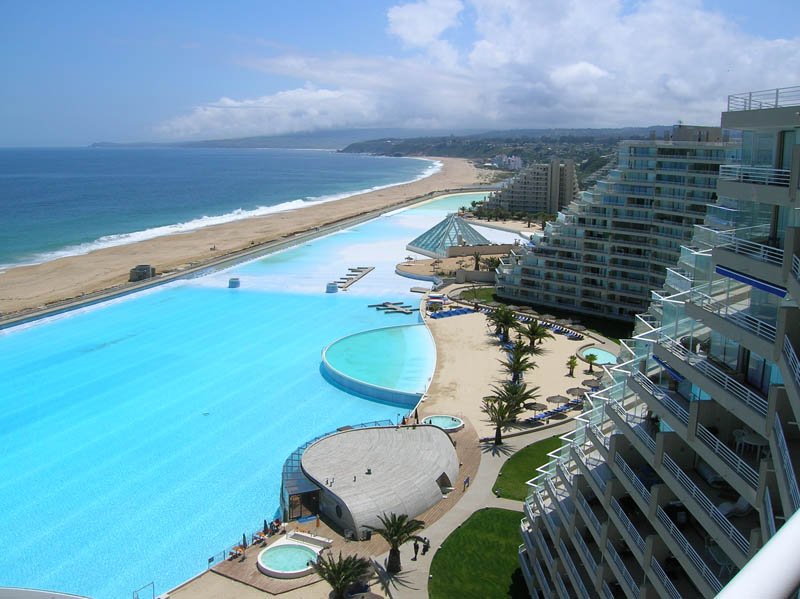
(416, 550)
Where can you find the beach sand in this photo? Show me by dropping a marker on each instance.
(28, 287)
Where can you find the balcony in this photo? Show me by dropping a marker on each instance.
(673, 402)
(741, 318)
(737, 390)
(522, 557)
(786, 468)
(686, 551)
(622, 573)
(661, 576)
(639, 488)
(545, 550)
(624, 525)
(577, 579)
(589, 560)
(637, 428)
(543, 584)
(589, 515)
(594, 468)
(759, 100)
(703, 504)
(727, 455)
(757, 175)
(562, 588)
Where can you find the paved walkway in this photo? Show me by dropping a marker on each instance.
(412, 583)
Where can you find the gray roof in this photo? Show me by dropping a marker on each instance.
(453, 230)
(405, 462)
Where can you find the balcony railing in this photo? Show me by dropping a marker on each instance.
(759, 175)
(661, 396)
(791, 360)
(796, 267)
(603, 439)
(631, 476)
(626, 576)
(627, 524)
(727, 455)
(593, 471)
(562, 589)
(705, 503)
(574, 571)
(593, 521)
(659, 573)
(740, 318)
(523, 561)
(769, 513)
(687, 548)
(733, 242)
(607, 591)
(548, 557)
(786, 464)
(537, 568)
(731, 385)
(636, 424)
(581, 544)
(768, 98)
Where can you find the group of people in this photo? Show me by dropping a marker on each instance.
(426, 545)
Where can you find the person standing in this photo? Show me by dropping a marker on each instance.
(416, 550)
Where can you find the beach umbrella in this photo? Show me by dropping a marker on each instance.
(563, 322)
(535, 406)
(525, 309)
(548, 317)
(590, 382)
(577, 391)
(578, 327)
(266, 528)
(244, 540)
(572, 321)
(558, 398)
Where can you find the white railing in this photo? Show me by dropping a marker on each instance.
(593, 521)
(565, 473)
(537, 568)
(731, 385)
(661, 396)
(796, 266)
(664, 579)
(751, 249)
(626, 576)
(561, 500)
(545, 549)
(627, 524)
(636, 424)
(603, 439)
(607, 591)
(727, 455)
(574, 571)
(769, 98)
(761, 175)
(791, 360)
(631, 476)
(562, 589)
(693, 556)
(769, 514)
(741, 318)
(705, 503)
(677, 280)
(581, 544)
(550, 517)
(786, 464)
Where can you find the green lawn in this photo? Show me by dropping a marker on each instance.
(479, 559)
(521, 467)
(482, 293)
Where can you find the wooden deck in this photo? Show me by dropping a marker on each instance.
(244, 569)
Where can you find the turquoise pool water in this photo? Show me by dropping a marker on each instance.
(140, 437)
(393, 357)
(603, 356)
(444, 422)
(288, 558)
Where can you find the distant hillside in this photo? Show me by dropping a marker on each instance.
(325, 140)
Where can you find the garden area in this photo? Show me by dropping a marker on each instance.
(479, 559)
(521, 467)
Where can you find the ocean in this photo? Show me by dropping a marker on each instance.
(66, 201)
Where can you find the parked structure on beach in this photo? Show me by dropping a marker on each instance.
(608, 250)
(546, 187)
(685, 467)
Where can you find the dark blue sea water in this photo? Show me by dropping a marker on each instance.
(60, 202)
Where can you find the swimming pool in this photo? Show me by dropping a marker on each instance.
(140, 437)
(450, 424)
(286, 560)
(603, 356)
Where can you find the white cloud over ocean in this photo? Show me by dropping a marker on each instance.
(514, 63)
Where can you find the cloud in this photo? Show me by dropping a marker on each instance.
(525, 64)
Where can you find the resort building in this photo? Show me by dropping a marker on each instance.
(547, 188)
(607, 250)
(684, 467)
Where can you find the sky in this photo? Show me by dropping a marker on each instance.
(72, 73)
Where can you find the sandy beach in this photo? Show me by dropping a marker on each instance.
(29, 287)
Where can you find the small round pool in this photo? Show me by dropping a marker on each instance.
(603, 356)
(450, 424)
(286, 560)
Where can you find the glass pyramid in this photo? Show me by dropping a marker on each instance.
(453, 230)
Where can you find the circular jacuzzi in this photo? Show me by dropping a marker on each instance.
(287, 560)
(603, 356)
(449, 424)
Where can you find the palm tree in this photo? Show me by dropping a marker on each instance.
(340, 573)
(503, 319)
(590, 359)
(513, 393)
(477, 257)
(517, 363)
(571, 364)
(397, 530)
(534, 332)
(502, 414)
